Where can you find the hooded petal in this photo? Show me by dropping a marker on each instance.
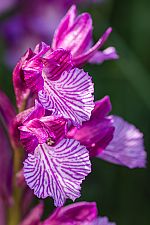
(101, 56)
(86, 56)
(21, 91)
(49, 129)
(56, 63)
(70, 96)
(76, 213)
(63, 27)
(126, 147)
(33, 218)
(96, 133)
(57, 171)
(49, 67)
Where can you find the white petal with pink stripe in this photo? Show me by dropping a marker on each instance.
(70, 96)
(57, 171)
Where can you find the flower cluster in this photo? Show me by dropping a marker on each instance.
(62, 126)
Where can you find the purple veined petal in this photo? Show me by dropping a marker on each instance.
(56, 63)
(83, 58)
(78, 38)
(70, 96)
(97, 132)
(33, 218)
(126, 148)
(101, 56)
(57, 171)
(76, 213)
(64, 25)
(21, 91)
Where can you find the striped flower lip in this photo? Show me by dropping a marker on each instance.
(55, 165)
(64, 90)
(57, 171)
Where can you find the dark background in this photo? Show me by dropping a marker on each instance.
(121, 194)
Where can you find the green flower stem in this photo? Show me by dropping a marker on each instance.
(14, 212)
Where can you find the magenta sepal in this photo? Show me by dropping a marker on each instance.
(96, 133)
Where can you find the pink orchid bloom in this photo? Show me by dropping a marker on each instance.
(74, 33)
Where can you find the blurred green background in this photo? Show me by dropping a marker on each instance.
(121, 194)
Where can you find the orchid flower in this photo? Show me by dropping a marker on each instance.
(82, 213)
(65, 127)
(55, 165)
(60, 87)
(75, 34)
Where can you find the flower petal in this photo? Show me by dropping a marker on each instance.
(85, 57)
(39, 131)
(126, 148)
(63, 27)
(96, 133)
(21, 91)
(78, 38)
(28, 140)
(76, 213)
(57, 171)
(70, 96)
(56, 63)
(102, 108)
(101, 56)
(41, 49)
